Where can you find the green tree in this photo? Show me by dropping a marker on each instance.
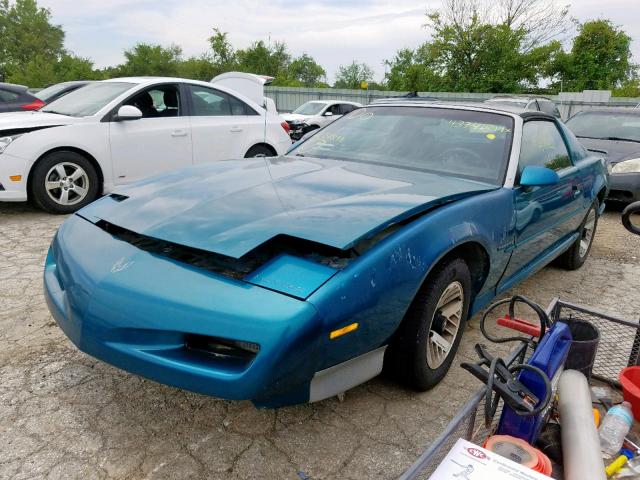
(146, 59)
(27, 39)
(410, 70)
(306, 71)
(223, 53)
(264, 60)
(600, 58)
(198, 68)
(352, 75)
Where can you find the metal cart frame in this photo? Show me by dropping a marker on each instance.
(619, 347)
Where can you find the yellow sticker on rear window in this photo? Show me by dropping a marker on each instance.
(491, 136)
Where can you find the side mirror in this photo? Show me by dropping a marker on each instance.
(328, 114)
(128, 112)
(533, 176)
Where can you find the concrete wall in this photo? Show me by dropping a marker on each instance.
(569, 103)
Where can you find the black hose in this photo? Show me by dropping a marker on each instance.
(542, 316)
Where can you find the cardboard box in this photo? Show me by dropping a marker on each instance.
(467, 461)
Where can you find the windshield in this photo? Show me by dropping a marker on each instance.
(606, 125)
(88, 100)
(460, 143)
(310, 108)
(49, 93)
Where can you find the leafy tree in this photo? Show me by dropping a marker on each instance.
(27, 38)
(306, 71)
(198, 68)
(264, 60)
(410, 70)
(600, 58)
(146, 59)
(352, 75)
(224, 56)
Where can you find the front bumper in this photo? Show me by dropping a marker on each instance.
(134, 310)
(624, 187)
(10, 168)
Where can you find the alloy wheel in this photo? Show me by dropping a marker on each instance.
(445, 324)
(67, 183)
(587, 233)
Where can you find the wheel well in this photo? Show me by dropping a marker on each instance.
(265, 145)
(476, 258)
(79, 151)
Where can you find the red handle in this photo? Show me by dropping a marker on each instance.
(520, 325)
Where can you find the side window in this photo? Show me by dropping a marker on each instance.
(209, 102)
(335, 109)
(346, 108)
(548, 107)
(155, 102)
(533, 105)
(6, 96)
(542, 145)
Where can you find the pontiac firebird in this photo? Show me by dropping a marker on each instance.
(292, 279)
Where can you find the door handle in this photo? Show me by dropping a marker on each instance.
(236, 129)
(179, 133)
(576, 190)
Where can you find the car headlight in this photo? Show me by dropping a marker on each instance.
(6, 141)
(628, 166)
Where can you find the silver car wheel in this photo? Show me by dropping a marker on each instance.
(67, 183)
(587, 233)
(445, 324)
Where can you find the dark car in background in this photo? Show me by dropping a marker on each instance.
(16, 98)
(616, 133)
(53, 92)
(539, 104)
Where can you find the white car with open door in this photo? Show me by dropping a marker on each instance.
(121, 130)
(316, 114)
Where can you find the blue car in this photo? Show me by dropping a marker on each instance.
(292, 279)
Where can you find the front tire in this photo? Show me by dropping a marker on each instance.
(63, 182)
(259, 151)
(577, 254)
(423, 349)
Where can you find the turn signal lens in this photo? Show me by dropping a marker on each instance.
(343, 330)
(15, 178)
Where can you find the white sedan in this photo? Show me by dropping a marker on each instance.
(117, 131)
(317, 114)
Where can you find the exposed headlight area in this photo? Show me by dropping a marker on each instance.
(628, 166)
(236, 352)
(6, 141)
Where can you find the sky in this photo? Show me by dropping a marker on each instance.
(334, 32)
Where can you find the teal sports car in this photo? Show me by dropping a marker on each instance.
(292, 279)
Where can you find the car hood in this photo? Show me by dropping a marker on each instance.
(616, 150)
(295, 117)
(33, 120)
(232, 207)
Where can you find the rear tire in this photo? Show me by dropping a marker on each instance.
(577, 254)
(63, 182)
(259, 151)
(424, 346)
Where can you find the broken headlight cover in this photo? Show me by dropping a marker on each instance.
(6, 141)
(628, 166)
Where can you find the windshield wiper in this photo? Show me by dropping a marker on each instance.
(610, 138)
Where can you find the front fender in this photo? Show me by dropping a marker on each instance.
(377, 289)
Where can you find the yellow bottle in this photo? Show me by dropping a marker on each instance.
(618, 463)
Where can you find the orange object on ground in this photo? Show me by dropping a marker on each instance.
(519, 451)
(630, 381)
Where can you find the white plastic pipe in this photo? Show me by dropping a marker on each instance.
(581, 453)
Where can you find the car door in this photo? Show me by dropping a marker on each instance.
(546, 216)
(222, 126)
(157, 142)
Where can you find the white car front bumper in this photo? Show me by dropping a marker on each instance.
(13, 178)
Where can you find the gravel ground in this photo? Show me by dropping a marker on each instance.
(65, 415)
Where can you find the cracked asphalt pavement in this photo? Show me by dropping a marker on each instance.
(64, 415)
